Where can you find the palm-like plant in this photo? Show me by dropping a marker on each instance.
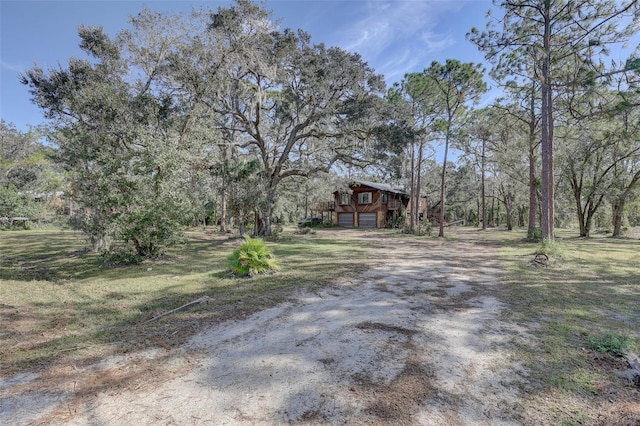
(253, 257)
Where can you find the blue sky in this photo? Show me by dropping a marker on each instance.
(394, 37)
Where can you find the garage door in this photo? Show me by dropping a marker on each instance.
(367, 220)
(345, 219)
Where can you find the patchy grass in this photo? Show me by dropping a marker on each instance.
(58, 303)
(591, 290)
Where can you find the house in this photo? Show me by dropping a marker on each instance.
(369, 205)
(424, 210)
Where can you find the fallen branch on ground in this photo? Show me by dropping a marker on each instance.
(457, 222)
(199, 301)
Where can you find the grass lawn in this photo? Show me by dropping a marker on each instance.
(590, 292)
(60, 303)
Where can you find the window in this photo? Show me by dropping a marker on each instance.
(384, 198)
(364, 198)
(345, 199)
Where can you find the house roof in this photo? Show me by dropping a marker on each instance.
(380, 186)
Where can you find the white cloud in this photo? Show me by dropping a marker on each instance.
(433, 42)
(395, 37)
(12, 67)
(382, 24)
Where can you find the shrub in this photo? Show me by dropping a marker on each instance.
(151, 231)
(396, 222)
(253, 257)
(534, 235)
(421, 229)
(610, 343)
(14, 203)
(122, 256)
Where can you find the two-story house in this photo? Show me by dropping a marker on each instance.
(369, 205)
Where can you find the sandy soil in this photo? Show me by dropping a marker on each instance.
(417, 339)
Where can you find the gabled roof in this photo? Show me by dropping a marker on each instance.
(380, 186)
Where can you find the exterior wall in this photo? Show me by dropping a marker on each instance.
(376, 206)
(423, 208)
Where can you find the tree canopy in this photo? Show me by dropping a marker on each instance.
(212, 116)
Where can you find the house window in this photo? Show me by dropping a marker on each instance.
(345, 199)
(364, 198)
(384, 198)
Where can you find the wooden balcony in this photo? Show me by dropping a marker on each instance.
(325, 206)
(394, 204)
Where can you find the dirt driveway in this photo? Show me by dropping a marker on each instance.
(416, 339)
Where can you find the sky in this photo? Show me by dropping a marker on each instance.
(393, 37)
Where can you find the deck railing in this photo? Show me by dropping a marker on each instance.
(325, 206)
(394, 204)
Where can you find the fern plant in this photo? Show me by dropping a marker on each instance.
(253, 257)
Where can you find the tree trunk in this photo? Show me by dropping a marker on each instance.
(483, 188)
(265, 216)
(593, 206)
(546, 142)
(493, 212)
(442, 185)
(533, 193)
(419, 182)
(617, 216)
(588, 219)
(533, 181)
(620, 202)
(414, 205)
(306, 199)
(223, 206)
(507, 198)
(508, 207)
(223, 191)
(521, 211)
(576, 187)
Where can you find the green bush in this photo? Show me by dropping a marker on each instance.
(121, 257)
(534, 235)
(420, 229)
(16, 204)
(611, 343)
(253, 257)
(151, 232)
(396, 222)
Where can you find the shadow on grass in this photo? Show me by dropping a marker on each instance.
(591, 288)
(71, 302)
(328, 341)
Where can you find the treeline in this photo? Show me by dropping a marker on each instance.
(219, 115)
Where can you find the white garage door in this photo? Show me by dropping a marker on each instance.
(345, 219)
(367, 220)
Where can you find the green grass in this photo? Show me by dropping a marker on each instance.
(59, 302)
(591, 290)
(615, 344)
